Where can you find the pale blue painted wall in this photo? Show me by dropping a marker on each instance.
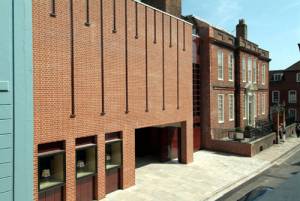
(6, 101)
(23, 101)
(16, 109)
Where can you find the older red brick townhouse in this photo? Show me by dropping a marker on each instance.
(231, 72)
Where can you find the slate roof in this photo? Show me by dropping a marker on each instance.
(294, 67)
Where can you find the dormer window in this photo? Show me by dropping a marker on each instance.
(277, 77)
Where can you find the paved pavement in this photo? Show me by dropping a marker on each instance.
(209, 177)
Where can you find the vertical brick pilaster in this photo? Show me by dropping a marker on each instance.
(128, 171)
(187, 142)
(100, 181)
(70, 187)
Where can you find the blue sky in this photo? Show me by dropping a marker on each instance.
(272, 24)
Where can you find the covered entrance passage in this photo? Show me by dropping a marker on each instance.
(158, 144)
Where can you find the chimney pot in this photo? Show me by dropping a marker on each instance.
(242, 21)
(241, 29)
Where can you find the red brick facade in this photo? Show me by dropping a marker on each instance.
(212, 41)
(134, 71)
(285, 82)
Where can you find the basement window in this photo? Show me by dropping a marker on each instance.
(86, 157)
(113, 151)
(51, 169)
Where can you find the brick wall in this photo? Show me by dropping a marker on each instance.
(212, 40)
(170, 6)
(261, 88)
(52, 54)
(288, 83)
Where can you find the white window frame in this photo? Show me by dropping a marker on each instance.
(289, 113)
(273, 96)
(250, 72)
(231, 67)
(263, 79)
(258, 72)
(231, 107)
(244, 69)
(220, 107)
(255, 105)
(258, 104)
(245, 107)
(277, 76)
(294, 100)
(297, 77)
(220, 62)
(263, 102)
(255, 71)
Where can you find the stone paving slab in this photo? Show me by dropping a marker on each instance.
(209, 176)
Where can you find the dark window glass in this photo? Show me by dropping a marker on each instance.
(51, 171)
(113, 155)
(86, 162)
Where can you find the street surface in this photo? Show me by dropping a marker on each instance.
(273, 177)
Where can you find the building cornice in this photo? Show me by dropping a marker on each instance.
(221, 43)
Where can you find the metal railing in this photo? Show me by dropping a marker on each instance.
(289, 121)
(262, 129)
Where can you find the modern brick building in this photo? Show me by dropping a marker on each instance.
(285, 90)
(174, 7)
(231, 72)
(105, 74)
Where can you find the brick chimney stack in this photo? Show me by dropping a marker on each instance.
(241, 29)
(170, 6)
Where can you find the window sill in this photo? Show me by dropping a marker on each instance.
(81, 175)
(110, 167)
(50, 184)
